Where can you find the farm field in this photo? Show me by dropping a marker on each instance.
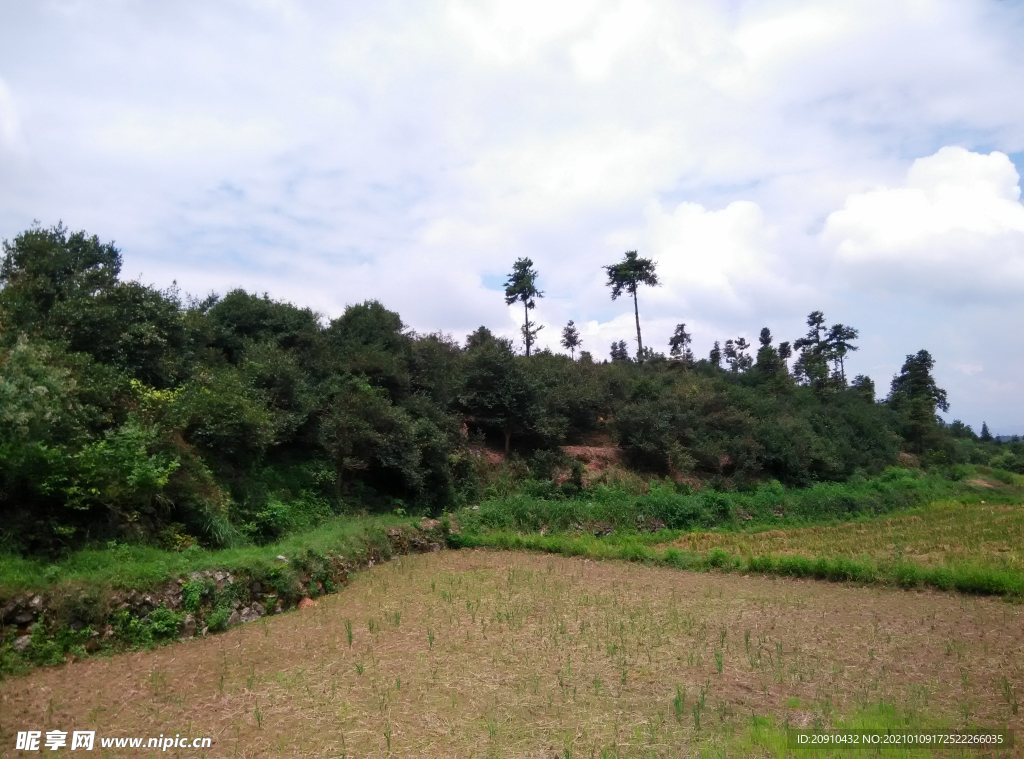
(480, 653)
(949, 533)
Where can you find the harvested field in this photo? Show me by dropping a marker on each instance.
(940, 534)
(498, 653)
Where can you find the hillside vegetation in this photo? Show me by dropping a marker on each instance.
(131, 415)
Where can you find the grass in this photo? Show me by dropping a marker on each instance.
(665, 504)
(143, 567)
(501, 654)
(889, 530)
(972, 547)
(941, 534)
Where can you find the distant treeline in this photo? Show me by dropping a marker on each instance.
(128, 414)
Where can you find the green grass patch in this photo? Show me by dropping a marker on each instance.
(965, 578)
(771, 505)
(125, 567)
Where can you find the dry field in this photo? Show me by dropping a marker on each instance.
(941, 534)
(481, 653)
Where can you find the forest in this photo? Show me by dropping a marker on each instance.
(132, 414)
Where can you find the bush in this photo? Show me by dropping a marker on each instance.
(164, 623)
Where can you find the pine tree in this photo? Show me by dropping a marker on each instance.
(571, 338)
(627, 275)
(715, 356)
(985, 434)
(620, 351)
(837, 345)
(915, 397)
(679, 345)
(521, 286)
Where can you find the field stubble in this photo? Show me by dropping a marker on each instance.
(495, 653)
(947, 533)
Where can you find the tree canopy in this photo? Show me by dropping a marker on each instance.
(130, 413)
(626, 276)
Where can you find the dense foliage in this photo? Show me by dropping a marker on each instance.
(129, 414)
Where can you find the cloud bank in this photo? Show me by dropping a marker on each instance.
(774, 157)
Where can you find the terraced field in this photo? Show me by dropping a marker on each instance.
(490, 653)
(982, 534)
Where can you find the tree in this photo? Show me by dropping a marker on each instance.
(627, 275)
(736, 355)
(620, 351)
(715, 356)
(915, 397)
(679, 345)
(521, 286)
(785, 351)
(361, 429)
(838, 344)
(482, 336)
(768, 360)
(985, 435)
(498, 393)
(44, 267)
(812, 365)
(571, 338)
(863, 386)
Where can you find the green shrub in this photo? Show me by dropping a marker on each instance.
(218, 619)
(131, 631)
(192, 593)
(164, 623)
(1002, 476)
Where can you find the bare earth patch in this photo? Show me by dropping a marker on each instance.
(480, 653)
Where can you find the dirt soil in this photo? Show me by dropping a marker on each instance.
(480, 652)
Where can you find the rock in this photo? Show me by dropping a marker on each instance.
(435, 547)
(20, 644)
(277, 608)
(235, 619)
(92, 645)
(108, 632)
(36, 604)
(188, 626)
(429, 524)
(282, 559)
(306, 603)
(249, 614)
(25, 618)
(235, 603)
(255, 589)
(258, 609)
(10, 611)
(205, 630)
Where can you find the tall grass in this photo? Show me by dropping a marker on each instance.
(664, 505)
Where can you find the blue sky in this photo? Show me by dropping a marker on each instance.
(774, 157)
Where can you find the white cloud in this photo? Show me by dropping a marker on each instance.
(333, 152)
(955, 227)
(719, 254)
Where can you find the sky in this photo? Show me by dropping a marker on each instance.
(774, 157)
